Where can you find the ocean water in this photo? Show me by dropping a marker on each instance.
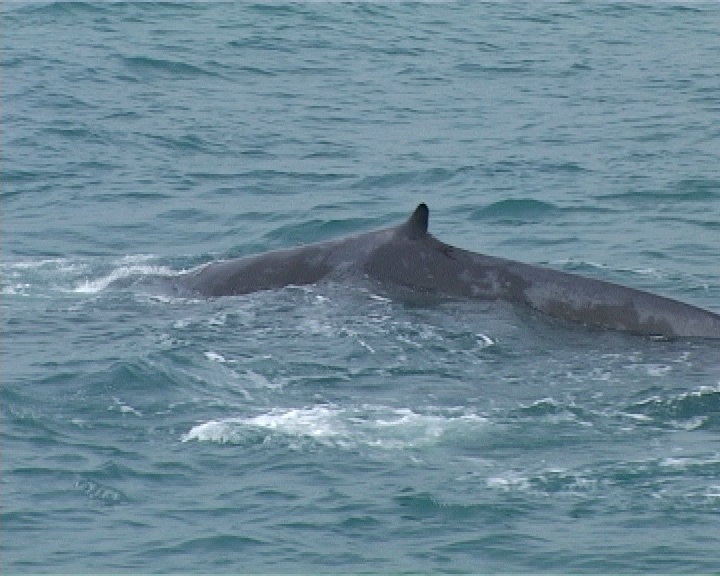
(334, 427)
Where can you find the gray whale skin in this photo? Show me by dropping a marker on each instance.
(409, 257)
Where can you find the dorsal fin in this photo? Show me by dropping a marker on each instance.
(417, 224)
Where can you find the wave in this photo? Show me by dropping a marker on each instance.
(524, 209)
(59, 9)
(329, 425)
(101, 492)
(431, 176)
(692, 410)
(146, 66)
(74, 275)
(696, 409)
(93, 286)
(683, 191)
(313, 230)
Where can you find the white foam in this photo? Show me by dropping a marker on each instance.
(260, 381)
(637, 417)
(215, 357)
(509, 481)
(136, 258)
(380, 299)
(657, 370)
(124, 408)
(701, 391)
(219, 431)
(315, 422)
(486, 340)
(60, 264)
(684, 462)
(19, 278)
(219, 319)
(20, 289)
(373, 426)
(99, 284)
(690, 424)
(317, 327)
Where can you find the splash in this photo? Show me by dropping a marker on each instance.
(93, 286)
(370, 426)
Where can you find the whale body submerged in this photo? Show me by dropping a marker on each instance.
(409, 257)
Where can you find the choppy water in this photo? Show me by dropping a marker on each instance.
(329, 427)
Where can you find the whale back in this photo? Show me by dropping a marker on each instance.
(408, 256)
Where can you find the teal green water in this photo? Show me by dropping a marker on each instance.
(331, 428)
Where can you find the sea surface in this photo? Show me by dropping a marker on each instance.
(335, 427)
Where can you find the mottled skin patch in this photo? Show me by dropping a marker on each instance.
(408, 256)
(622, 317)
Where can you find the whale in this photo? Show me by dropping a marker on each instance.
(407, 256)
